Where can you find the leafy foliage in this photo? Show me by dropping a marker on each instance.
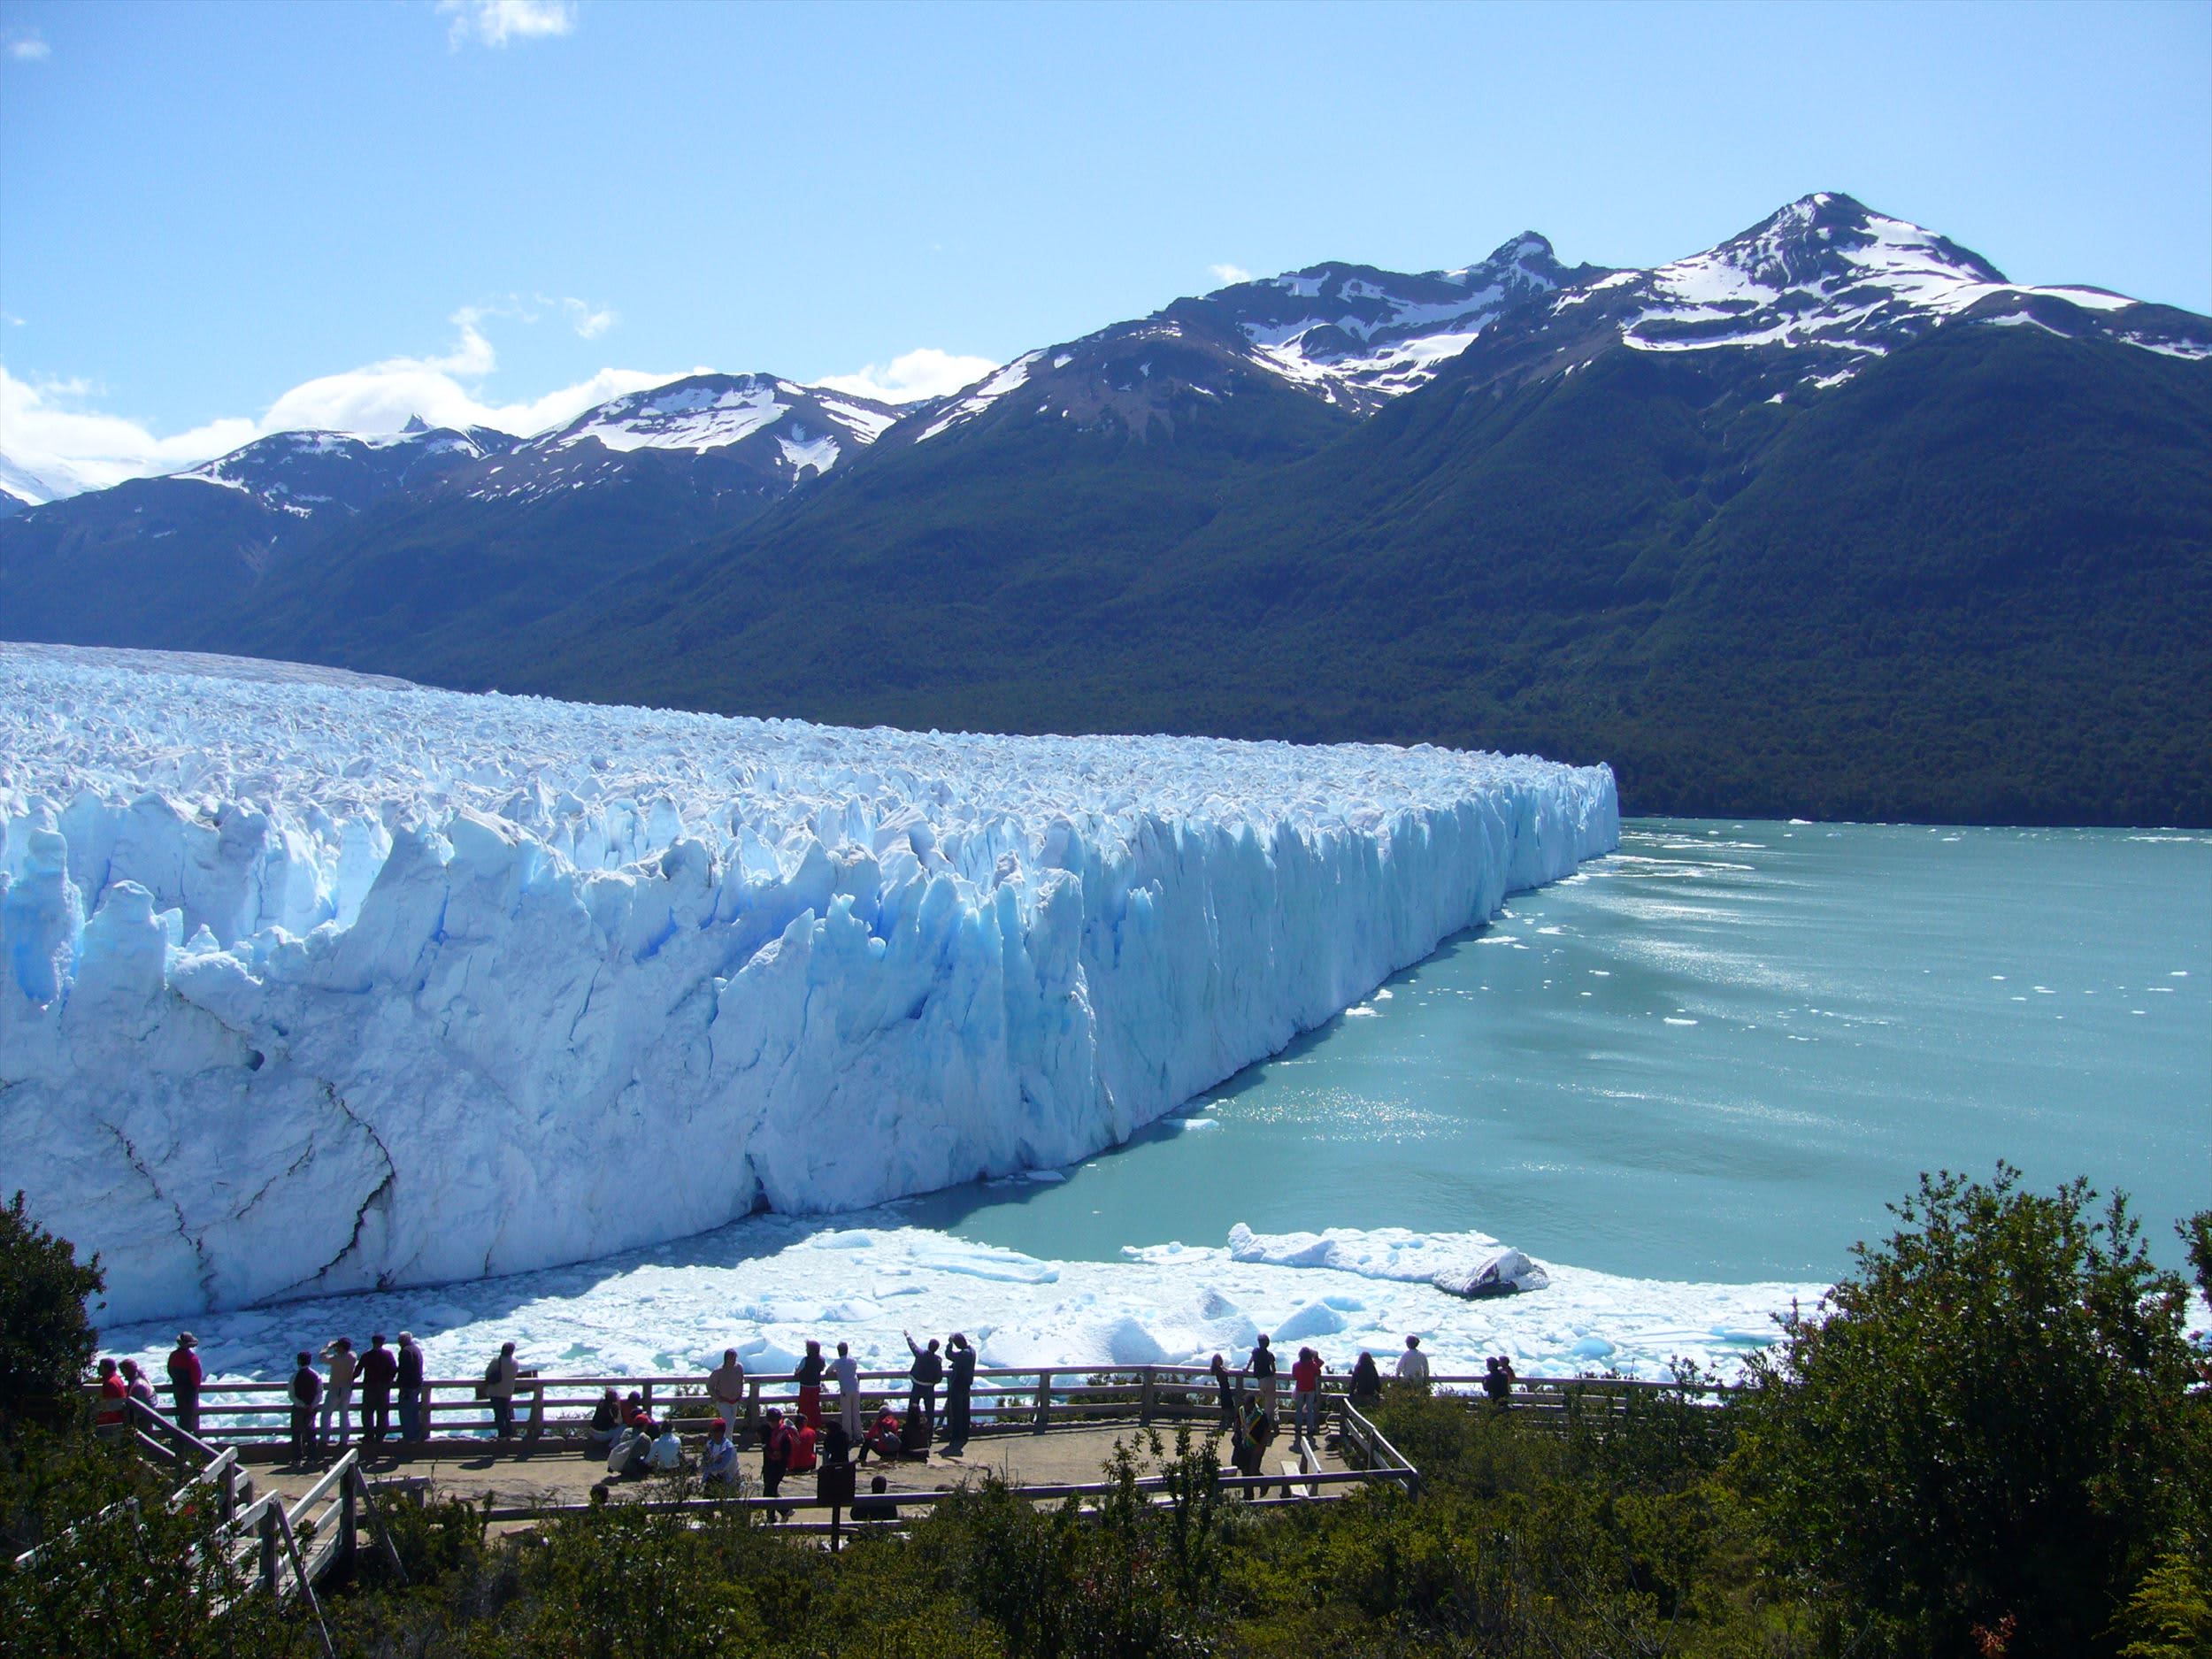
(46, 1340)
(1985, 1434)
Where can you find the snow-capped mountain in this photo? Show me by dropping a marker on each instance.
(309, 474)
(22, 486)
(1823, 286)
(754, 433)
(1350, 336)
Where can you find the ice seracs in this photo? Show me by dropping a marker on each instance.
(316, 984)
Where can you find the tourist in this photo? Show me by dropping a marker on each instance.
(307, 1388)
(804, 1443)
(726, 1383)
(631, 1455)
(635, 1416)
(1305, 1388)
(876, 1506)
(808, 1376)
(847, 1369)
(1263, 1368)
(114, 1408)
(379, 1369)
(411, 1389)
(1413, 1364)
(499, 1388)
(1229, 1392)
(137, 1386)
(775, 1451)
(1497, 1380)
(1255, 1428)
(606, 1422)
(922, 1379)
(338, 1395)
(717, 1463)
(882, 1437)
(960, 1385)
(186, 1378)
(1366, 1380)
(668, 1451)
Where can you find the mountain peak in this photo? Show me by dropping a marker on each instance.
(415, 423)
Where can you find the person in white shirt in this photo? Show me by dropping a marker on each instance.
(726, 1384)
(668, 1451)
(1413, 1364)
(847, 1369)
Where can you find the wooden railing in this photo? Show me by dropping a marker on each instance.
(1001, 1398)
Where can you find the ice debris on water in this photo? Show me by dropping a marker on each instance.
(310, 984)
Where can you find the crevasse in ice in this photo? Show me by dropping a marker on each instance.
(311, 983)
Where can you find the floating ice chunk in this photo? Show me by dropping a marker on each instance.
(1316, 1318)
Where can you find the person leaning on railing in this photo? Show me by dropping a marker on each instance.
(185, 1376)
(409, 1378)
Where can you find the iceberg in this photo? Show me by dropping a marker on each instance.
(313, 984)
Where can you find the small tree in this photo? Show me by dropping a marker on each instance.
(1984, 1434)
(46, 1341)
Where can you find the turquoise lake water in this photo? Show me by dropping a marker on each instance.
(1715, 1056)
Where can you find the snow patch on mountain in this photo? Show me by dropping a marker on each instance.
(312, 987)
(965, 406)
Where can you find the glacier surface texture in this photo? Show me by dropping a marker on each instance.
(314, 984)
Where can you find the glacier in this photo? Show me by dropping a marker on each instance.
(312, 984)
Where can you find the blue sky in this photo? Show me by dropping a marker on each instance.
(218, 219)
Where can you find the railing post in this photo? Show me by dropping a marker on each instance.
(1044, 1402)
(1144, 1405)
(349, 1517)
(269, 1546)
(536, 1427)
(752, 1404)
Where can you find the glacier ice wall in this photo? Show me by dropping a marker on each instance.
(312, 984)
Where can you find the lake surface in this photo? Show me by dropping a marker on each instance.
(1714, 1056)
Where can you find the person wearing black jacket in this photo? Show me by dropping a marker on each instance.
(307, 1392)
(960, 1380)
(923, 1378)
(410, 1380)
(378, 1367)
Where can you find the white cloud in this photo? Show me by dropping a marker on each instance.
(1226, 274)
(495, 22)
(28, 47)
(52, 427)
(912, 376)
(588, 321)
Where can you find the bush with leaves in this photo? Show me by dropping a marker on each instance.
(46, 1340)
(1983, 1435)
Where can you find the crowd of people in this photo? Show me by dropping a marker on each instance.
(793, 1440)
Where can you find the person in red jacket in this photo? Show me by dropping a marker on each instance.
(185, 1377)
(1305, 1382)
(113, 1409)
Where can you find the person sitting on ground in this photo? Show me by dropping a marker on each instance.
(115, 1389)
(631, 1455)
(636, 1417)
(882, 1437)
(1413, 1364)
(875, 1506)
(803, 1443)
(1366, 1380)
(606, 1421)
(717, 1463)
(667, 1454)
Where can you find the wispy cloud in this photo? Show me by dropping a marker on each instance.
(912, 376)
(57, 429)
(1226, 274)
(589, 320)
(495, 22)
(27, 46)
